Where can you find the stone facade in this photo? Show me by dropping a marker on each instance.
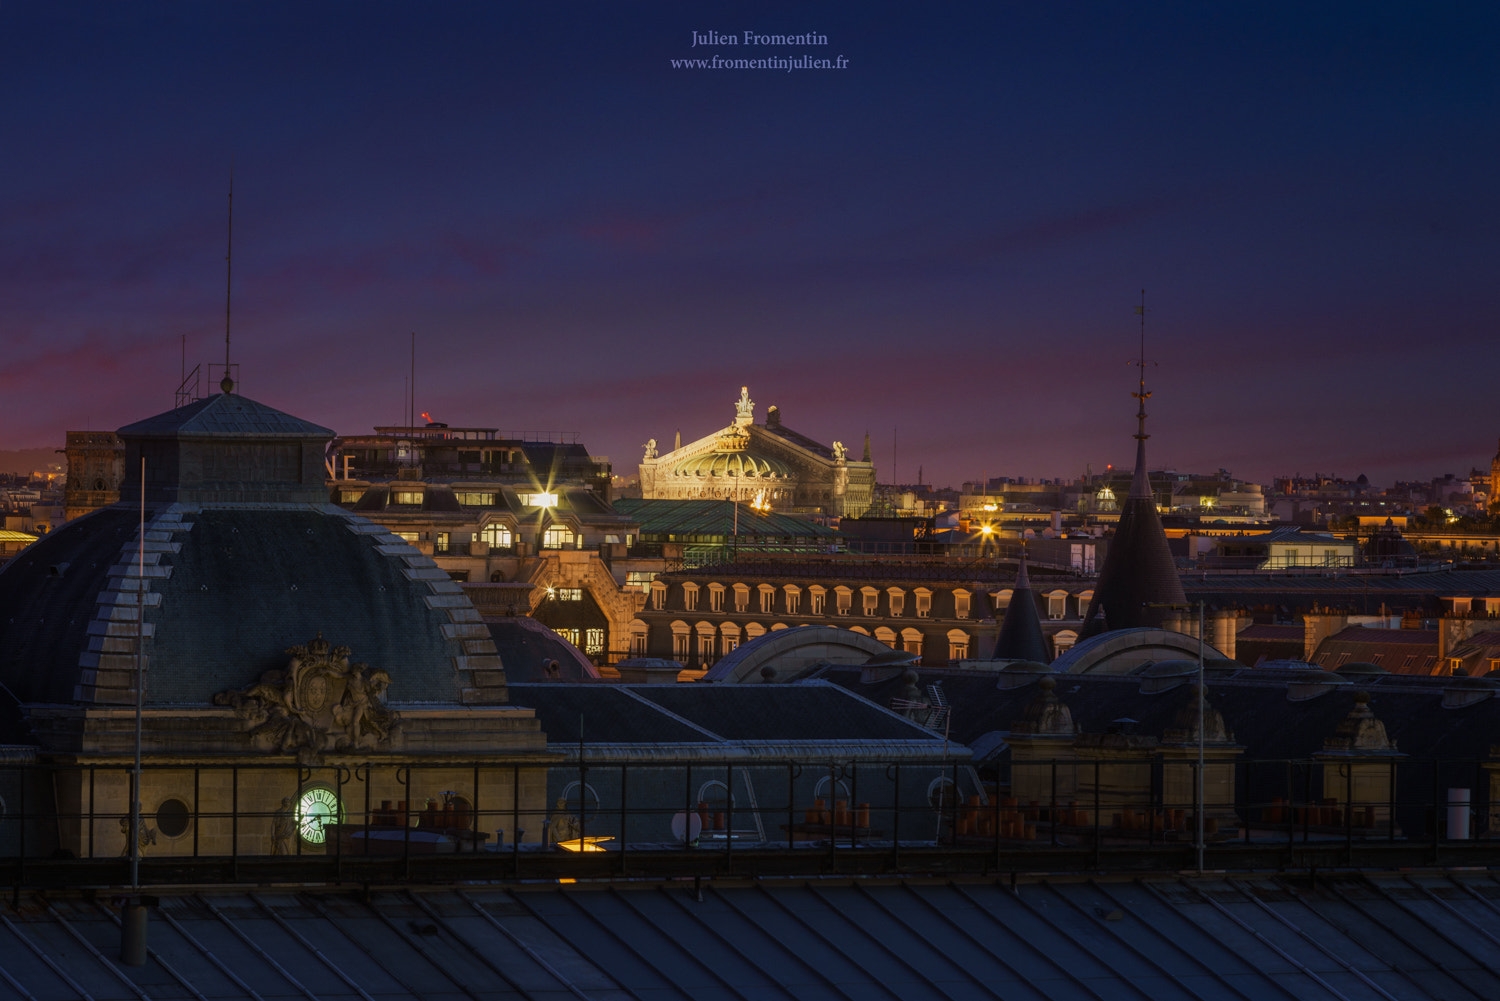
(766, 464)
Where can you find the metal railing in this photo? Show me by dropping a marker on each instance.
(411, 820)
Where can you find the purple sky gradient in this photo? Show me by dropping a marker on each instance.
(947, 237)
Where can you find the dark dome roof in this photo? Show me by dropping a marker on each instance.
(233, 591)
(239, 567)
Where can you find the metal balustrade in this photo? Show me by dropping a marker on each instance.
(387, 820)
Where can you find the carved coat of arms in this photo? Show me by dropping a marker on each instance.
(320, 702)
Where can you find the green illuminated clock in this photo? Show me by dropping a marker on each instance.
(315, 808)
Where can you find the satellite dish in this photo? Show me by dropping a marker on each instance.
(686, 826)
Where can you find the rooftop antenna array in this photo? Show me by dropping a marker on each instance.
(188, 387)
(227, 383)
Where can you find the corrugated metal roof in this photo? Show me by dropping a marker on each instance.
(1350, 937)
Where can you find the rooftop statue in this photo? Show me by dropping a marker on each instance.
(744, 407)
(650, 449)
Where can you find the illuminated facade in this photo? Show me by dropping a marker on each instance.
(768, 464)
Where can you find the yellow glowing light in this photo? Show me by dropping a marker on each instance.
(545, 499)
(987, 529)
(991, 507)
(588, 844)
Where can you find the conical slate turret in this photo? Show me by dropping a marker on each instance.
(1021, 636)
(1139, 577)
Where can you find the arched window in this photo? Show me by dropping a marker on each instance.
(958, 644)
(682, 649)
(911, 641)
(887, 636)
(639, 633)
(729, 637)
(706, 643)
(767, 598)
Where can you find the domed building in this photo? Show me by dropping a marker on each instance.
(768, 464)
(290, 647)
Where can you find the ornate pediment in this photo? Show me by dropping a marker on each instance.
(319, 703)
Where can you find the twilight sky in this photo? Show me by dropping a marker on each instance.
(946, 237)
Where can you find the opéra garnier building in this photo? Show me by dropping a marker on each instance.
(286, 653)
(768, 465)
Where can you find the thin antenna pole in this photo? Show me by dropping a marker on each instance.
(412, 413)
(228, 270)
(140, 692)
(1140, 394)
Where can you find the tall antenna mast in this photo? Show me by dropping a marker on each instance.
(227, 383)
(1141, 394)
(411, 414)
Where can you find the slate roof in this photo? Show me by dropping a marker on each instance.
(1021, 635)
(1270, 642)
(1349, 936)
(701, 713)
(243, 586)
(1139, 575)
(1400, 651)
(713, 517)
(1254, 703)
(526, 646)
(224, 415)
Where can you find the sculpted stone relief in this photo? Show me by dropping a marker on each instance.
(320, 702)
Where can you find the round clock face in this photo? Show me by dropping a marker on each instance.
(316, 808)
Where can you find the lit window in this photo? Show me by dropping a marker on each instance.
(495, 536)
(593, 642)
(639, 580)
(557, 537)
(571, 635)
(345, 496)
(568, 593)
(475, 498)
(410, 497)
(408, 537)
(793, 598)
(818, 595)
(845, 599)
